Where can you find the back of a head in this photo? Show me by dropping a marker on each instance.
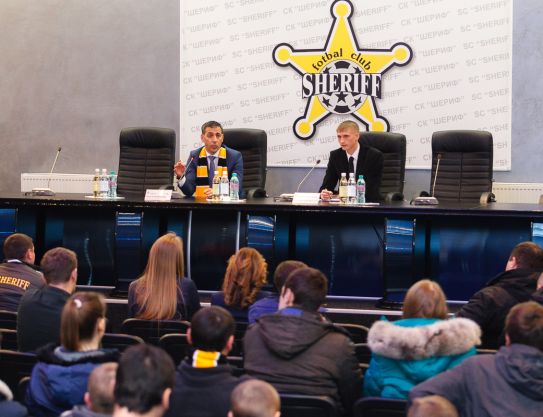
(254, 398)
(309, 287)
(246, 273)
(283, 270)
(79, 318)
(144, 373)
(425, 299)
(101, 386)
(528, 255)
(57, 264)
(210, 329)
(432, 406)
(524, 324)
(16, 246)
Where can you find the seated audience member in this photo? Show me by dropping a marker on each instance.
(59, 379)
(246, 273)
(204, 380)
(298, 351)
(144, 382)
(432, 406)
(269, 304)
(489, 306)
(196, 177)
(99, 396)
(38, 318)
(8, 407)
(162, 292)
(18, 273)
(421, 345)
(506, 384)
(255, 398)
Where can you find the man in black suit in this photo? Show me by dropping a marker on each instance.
(353, 156)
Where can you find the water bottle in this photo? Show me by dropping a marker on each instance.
(360, 190)
(104, 184)
(224, 186)
(96, 183)
(216, 186)
(112, 184)
(351, 189)
(234, 187)
(343, 188)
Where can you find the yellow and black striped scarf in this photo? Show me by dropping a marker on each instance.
(202, 177)
(203, 359)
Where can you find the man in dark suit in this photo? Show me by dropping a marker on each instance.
(196, 177)
(353, 157)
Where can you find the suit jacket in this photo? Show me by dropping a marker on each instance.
(369, 164)
(234, 163)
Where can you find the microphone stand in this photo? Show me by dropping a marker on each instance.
(46, 191)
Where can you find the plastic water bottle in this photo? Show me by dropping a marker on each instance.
(351, 189)
(234, 187)
(343, 188)
(112, 185)
(104, 184)
(96, 183)
(216, 186)
(360, 190)
(225, 186)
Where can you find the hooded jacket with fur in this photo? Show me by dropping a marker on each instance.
(409, 351)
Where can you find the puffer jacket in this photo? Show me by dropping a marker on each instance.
(59, 379)
(300, 352)
(409, 351)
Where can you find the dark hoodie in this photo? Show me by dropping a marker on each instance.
(507, 384)
(489, 306)
(300, 352)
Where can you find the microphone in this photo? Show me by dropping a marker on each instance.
(429, 200)
(47, 191)
(187, 167)
(307, 175)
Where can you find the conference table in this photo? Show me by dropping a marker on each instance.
(365, 251)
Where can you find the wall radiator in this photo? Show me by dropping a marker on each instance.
(514, 192)
(60, 183)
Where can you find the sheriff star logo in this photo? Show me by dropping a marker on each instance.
(342, 78)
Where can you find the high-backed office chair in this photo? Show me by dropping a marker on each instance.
(146, 159)
(393, 147)
(380, 407)
(465, 166)
(252, 143)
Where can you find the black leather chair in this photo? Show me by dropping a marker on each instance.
(120, 341)
(152, 330)
(393, 147)
(379, 407)
(146, 159)
(253, 144)
(465, 166)
(294, 405)
(176, 345)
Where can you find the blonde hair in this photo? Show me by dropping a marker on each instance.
(348, 124)
(245, 274)
(432, 406)
(156, 290)
(425, 299)
(79, 318)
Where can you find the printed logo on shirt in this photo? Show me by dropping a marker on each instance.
(16, 282)
(342, 78)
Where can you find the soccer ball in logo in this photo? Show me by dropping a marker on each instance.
(342, 102)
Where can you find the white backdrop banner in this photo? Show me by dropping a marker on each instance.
(297, 68)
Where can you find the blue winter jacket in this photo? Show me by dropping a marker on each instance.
(410, 351)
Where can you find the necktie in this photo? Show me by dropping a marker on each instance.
(351, 165)
(211, 171)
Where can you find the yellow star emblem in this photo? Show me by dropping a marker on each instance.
(342, 78)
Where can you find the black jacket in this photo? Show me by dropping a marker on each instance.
(489, 306)
(202, 392)
(369, 164)
(303, 354)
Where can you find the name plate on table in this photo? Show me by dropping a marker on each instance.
(158, 195)
(306, 198)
